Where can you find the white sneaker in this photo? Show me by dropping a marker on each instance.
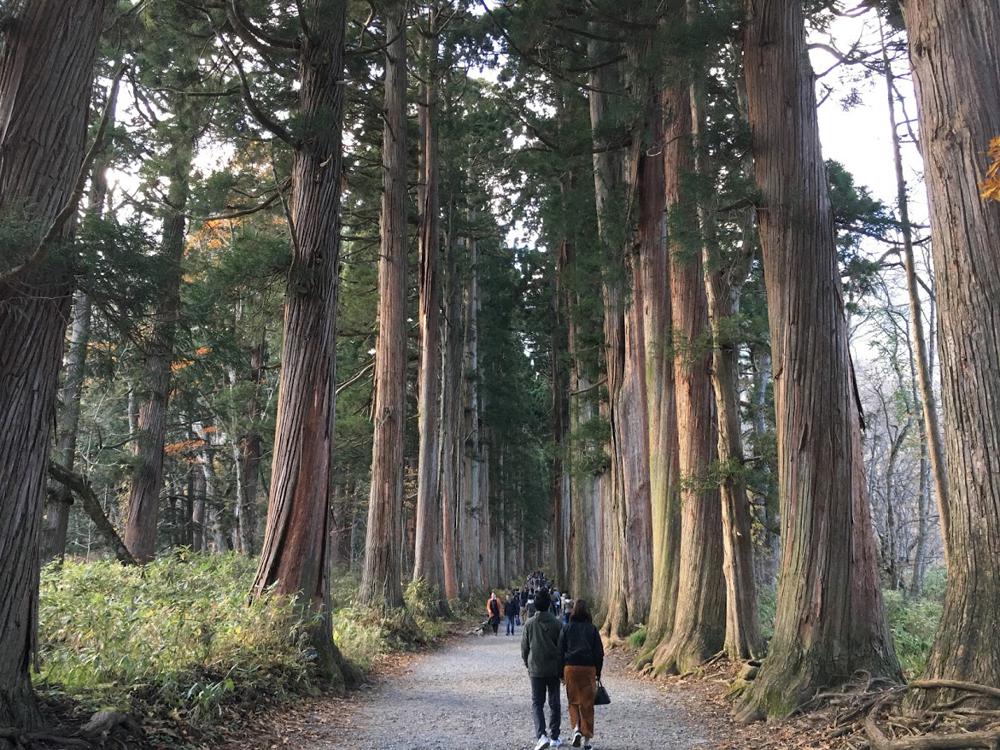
(588, 744)
(543, 742)
(555, 742)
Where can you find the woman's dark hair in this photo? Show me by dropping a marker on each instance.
(580, 612)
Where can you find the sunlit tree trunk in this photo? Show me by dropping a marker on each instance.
(699, 621)
(427, 553)
(380, 576)
(294, 554)
(956, 65)
(830, 620)
(46, 66)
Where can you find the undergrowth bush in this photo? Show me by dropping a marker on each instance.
(178, 640)
(913, 623)
(177, 633)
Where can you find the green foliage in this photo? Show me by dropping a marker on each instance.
(638, 638)
(176, 637)
(913, 623)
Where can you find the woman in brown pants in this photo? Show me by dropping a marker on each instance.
(582, 657)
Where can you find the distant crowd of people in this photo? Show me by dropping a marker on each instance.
(559, 643)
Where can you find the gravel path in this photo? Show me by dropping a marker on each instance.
(474, 693)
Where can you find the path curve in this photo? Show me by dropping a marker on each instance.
(474, 693)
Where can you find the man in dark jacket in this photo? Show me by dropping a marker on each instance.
(510, 610)
(540, 651)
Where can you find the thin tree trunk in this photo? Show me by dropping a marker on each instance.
(743, 638)
(830, 620)
(928, 406)
(956, 66)
(250, 453)
(469, 499)
(56, 521)
(294, 553)
(199, 526)
(147, 477)
(428, 564)
(380, 576)
(451, 419)
(46, 67)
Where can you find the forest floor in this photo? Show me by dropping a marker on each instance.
(473, 693)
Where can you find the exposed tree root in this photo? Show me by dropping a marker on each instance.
(967, 727)
(94, 733)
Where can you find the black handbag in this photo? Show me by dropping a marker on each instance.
(602, 698)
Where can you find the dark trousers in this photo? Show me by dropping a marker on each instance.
(539, 686)
(495, 624)
(510, 625)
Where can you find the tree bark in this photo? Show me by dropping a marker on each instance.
(428, 564)
(154, 396)
(956, 66)
(470, 500)
(628, 533)
(380, 576)
(46, 68)
(294, 554)
(722, 288)
(830, 620)
(664, 471)
(57, 515)
(928, 406)
(451, 419)
(699, 627)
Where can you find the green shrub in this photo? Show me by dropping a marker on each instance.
(913, 623)
(177, 633)
(638, 638)
(766, 608)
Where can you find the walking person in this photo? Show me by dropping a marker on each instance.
(493, 610)
(582, 654)
(540, 652)
(510, 610)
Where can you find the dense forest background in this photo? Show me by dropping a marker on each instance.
(360, 309)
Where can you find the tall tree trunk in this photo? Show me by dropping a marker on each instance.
(931, 429)
(628, 533)
(56, 521)
(956, 65)
(830, 620)
(380, 576)
(294, 554)
(428, 564)
(664, 470)
(559, 389)
(46, 67)
(700, 619)
(722, 287)
(154, 391)
(470, 501)
(451, 420)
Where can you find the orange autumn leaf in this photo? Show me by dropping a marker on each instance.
(989, 189)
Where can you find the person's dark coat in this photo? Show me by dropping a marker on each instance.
(511, 609)
(580, 646)
(540, 646)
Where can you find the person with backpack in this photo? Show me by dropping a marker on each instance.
(582, 655)
(493, 610)
(540, 652)
(510, 610)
